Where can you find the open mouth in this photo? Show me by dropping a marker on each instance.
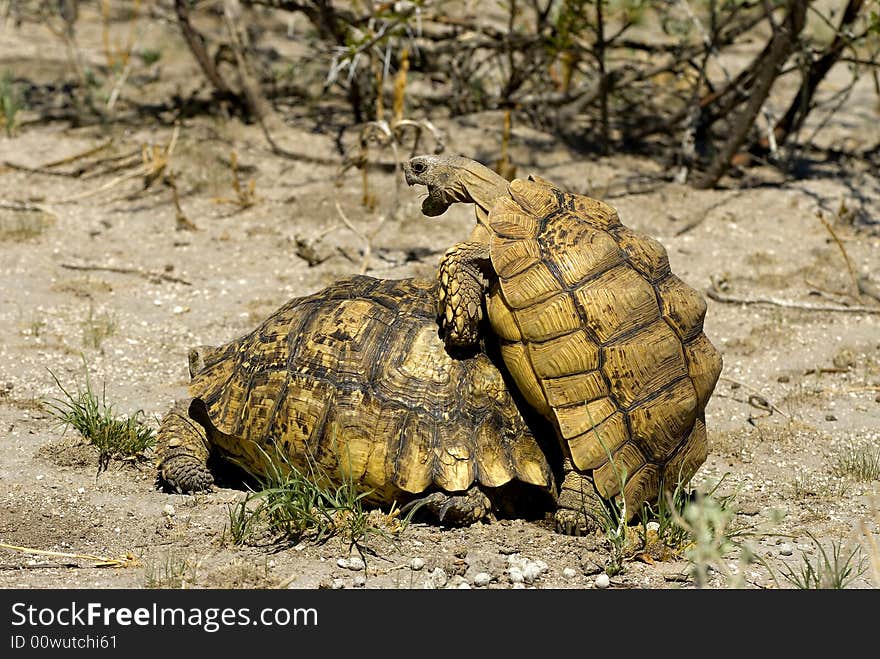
(435, 203)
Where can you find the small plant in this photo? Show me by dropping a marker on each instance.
(114, 436)
(245, 193)
(612, 517)
(11, 102)
(150, 56)
(97, 327)
(662, 536)
(293, 504)
(21, 226)
(709, 521)
(174, 572)
(834, 571)
(612, 520)
(859, 462)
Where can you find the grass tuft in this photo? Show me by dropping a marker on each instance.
(174, 572)
(829, 571)
(97, 327)
(22, 226)
(293, 504)
(11, 102)
(114, 436)
(662, 536)
(861, 462)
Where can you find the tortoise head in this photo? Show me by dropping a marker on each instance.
(454, 179)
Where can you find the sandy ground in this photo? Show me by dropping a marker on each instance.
(109, 277)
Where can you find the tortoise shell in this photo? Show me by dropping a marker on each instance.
(601, 338)
(356, 380)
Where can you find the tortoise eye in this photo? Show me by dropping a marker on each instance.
(419, 167)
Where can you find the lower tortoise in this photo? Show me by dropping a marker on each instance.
(356, 380)
(599, 335)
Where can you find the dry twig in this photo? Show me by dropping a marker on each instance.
(788, 304)
(128, 271)
(100, 561)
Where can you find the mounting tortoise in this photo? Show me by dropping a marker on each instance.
(356, 380)
(598, 334)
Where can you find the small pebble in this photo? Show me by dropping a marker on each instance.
(342, 562)
(783, 379)
(519, 585)
(533, 570)
(338, 584)
(438, 577)
(569, 573)
(482, 579)
(168, 510)
(416, 564)
(464, 585)
(830, 417)
(515, 575)
(355, 563)
(785, 549)
(589, 567)
(602, 581)
(360, 581)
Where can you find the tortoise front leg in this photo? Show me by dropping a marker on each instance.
(182, 451)
(454, 509)
(462, 290)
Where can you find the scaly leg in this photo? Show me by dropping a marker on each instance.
(454, 509)
(462, 289)
(182, 451)
(578, 505)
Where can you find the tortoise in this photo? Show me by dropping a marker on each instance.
(356, 381)
(599, 335)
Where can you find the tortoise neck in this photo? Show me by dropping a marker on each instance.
(483, 185)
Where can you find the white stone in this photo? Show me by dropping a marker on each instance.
(416, 564)
(482, 579)
(515, 575)
(438, 577)
(602, 581)
(569, 573)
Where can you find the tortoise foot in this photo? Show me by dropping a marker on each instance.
(184, 473)
(454, 509)
(579, 507)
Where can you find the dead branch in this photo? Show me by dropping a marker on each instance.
(100, 561)
(789, 304)
(781, 45)
(801, 105)
(849, 265)
(366, 239)
(196, 43)
(152, 276)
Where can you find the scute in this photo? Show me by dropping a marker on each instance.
(601, 338)
(355, 379)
